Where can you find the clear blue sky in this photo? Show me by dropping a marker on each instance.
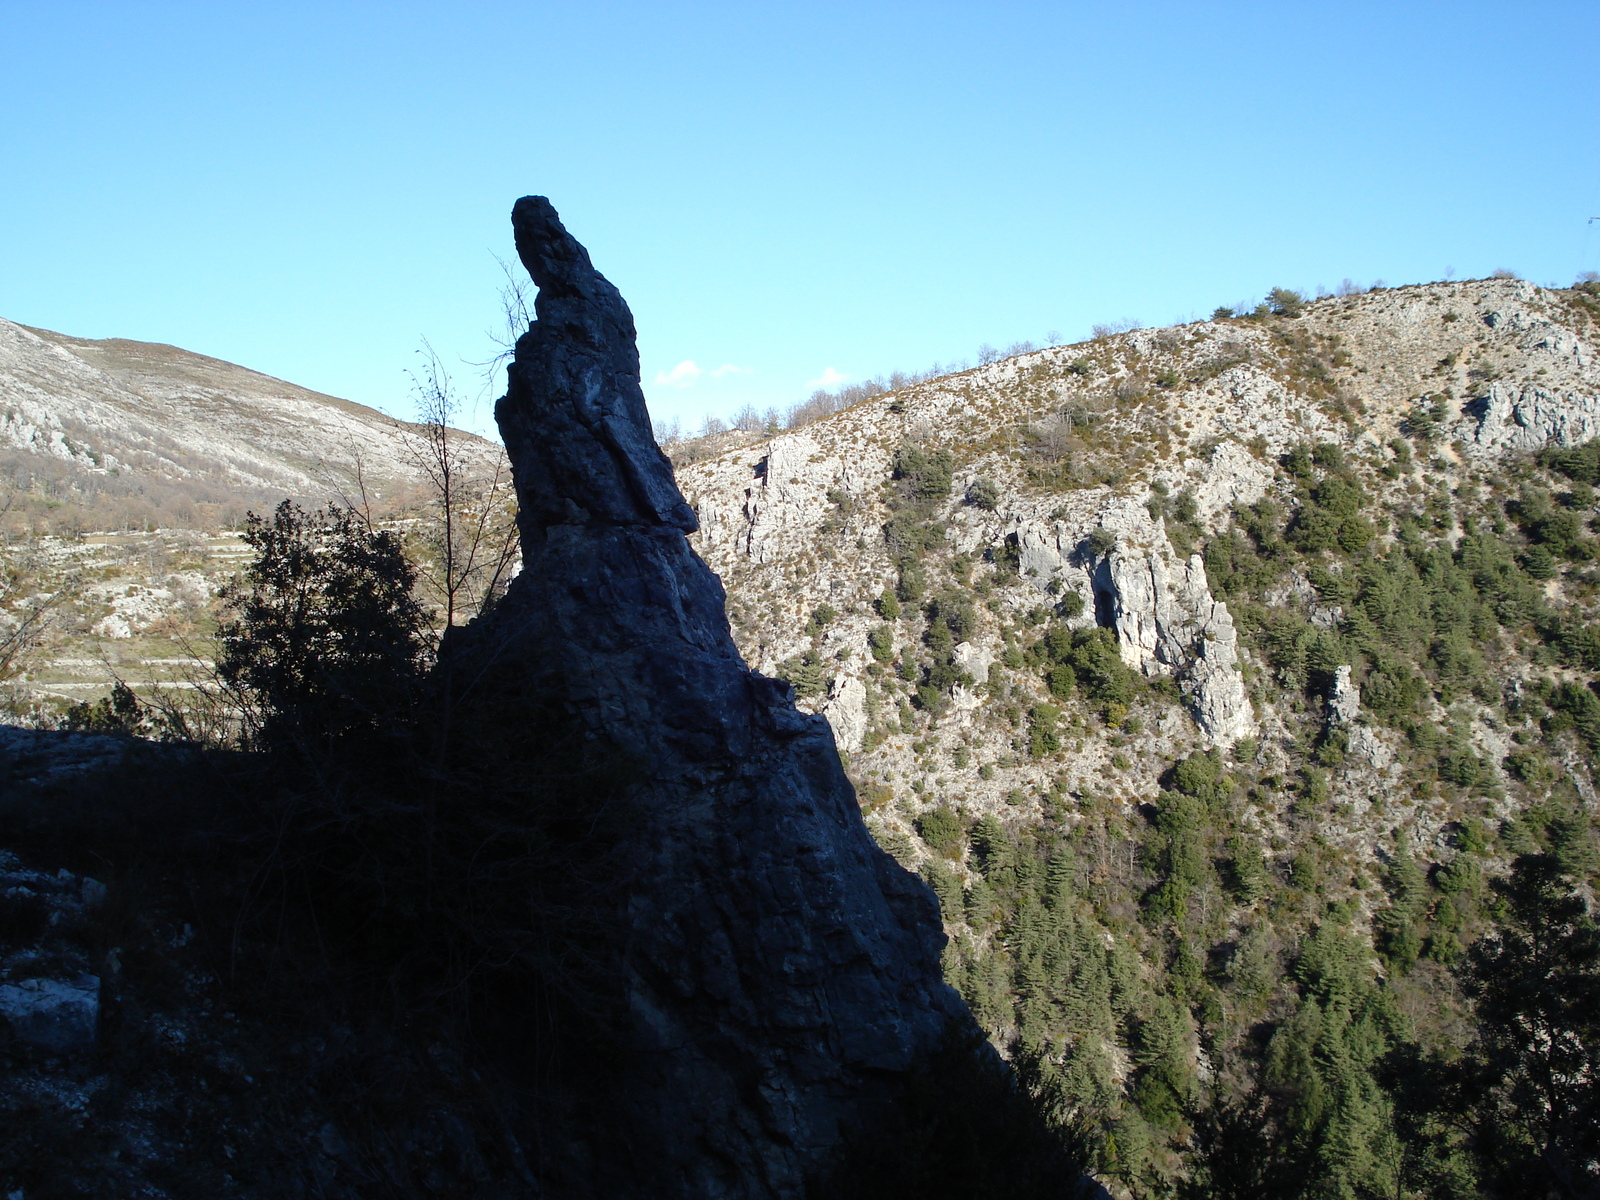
(788, 190)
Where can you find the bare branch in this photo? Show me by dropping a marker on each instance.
(470, 541)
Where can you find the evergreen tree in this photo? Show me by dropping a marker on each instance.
(1325, 1061)
(1531, 1084)
(323, 637)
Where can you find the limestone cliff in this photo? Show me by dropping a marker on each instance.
(781, 974)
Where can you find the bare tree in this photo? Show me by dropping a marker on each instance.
(1127, 325)
(517, 316)
(1054, 439)
(472, 538)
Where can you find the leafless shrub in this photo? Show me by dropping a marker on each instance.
(517, 316)
(1080, 413)
(1504, 273)
(30, 600)
(197, 708)
(1101, 332)
(1054, 439)
(51, 495)
(1349, 287)
(822, 403)
(1131, 388)
(470, 542)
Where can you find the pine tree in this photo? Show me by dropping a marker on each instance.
(1532, 1082)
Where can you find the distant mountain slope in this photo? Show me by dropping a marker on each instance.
(104, 434)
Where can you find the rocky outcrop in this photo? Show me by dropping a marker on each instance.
(1166, 620)
(781, 973)
(789, 497)
(846, 711)
(1532, 417)
(1344, 698)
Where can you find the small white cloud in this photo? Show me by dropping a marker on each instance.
(681, 376)
(729, 369)
(831, 377)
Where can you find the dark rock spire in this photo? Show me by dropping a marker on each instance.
(574, 418)
(780, 973)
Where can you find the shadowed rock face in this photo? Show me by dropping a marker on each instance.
(782, 973)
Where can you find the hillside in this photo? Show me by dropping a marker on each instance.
(1173, 658)
(126, 470)
(117, 434)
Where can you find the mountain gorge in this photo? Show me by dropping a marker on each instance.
(1180, 660)
(1232, 687)
(564, 902)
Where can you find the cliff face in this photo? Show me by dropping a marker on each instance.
(816, 493)
(781, 973)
